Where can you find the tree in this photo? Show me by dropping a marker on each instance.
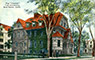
(78, 12)
(48, 7)
(8, 44)
(84, 37)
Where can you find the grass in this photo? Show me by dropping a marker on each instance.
(63, 55)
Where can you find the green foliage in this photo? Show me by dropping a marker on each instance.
(38, 38)
(8, 44)
(84, 37)
(47, 6)
(10, 31)
(78, 11)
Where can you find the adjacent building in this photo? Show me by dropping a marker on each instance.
(4, 37)
(88, 46)
(29, 36)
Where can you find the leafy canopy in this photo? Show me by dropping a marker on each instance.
(47, 6)
(79, 11)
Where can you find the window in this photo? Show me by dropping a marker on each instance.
(30, 51)
(18, 34)
(33, 24)
(54, 40)
(24, 43)
(41, 43)
(35, 44)
(1, 46)
(30, 43)
(61, 23)
(1, 34)
(1, 28)
(35, 32)
(30, 33)
(21, 44)
(91, 42)
(40, 23)
(58, 43)
(90, 46)
(35, 52)
(64, 45)
(16, 44)
(41, 33)
(18, 25)
(64, 24)
(24, 51)
(31, 19)
(40, 17)
(27, 24)
(1, 40)
(54, 31)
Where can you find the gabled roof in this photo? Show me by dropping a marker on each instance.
(23, 23)
(57, 34)
(6, 27)
(36, 18)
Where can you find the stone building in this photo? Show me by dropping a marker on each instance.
(29, 36)
(20, 37)
(4, 37)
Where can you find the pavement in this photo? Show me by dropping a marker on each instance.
(66, 58)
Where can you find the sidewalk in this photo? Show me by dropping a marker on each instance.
(64, 58)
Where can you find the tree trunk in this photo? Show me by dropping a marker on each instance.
(78, 51)
(48, 45)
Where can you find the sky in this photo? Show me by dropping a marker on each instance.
(10, 15)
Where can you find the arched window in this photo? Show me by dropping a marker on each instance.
(30, 51)
(30, 43)
(35, 33)
(41, 33)
(18, 25)
(16, 43)
(35, 44)
(41, 43)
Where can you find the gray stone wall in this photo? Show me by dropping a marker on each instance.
(20, 41)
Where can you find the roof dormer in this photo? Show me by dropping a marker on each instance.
(27, 24)
(40, 23)
(33, 23)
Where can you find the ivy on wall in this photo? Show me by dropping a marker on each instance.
(36, 38)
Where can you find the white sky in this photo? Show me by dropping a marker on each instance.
(10, 15)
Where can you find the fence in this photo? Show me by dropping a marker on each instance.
(15, 56)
